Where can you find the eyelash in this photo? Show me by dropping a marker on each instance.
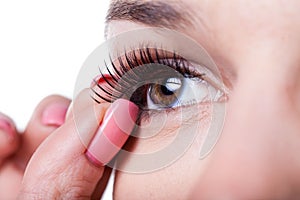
(115, 89)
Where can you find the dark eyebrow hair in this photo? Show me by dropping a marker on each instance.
(168, 14)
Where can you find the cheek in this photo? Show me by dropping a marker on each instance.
(180, 174)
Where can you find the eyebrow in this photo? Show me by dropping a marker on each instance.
(168, 14)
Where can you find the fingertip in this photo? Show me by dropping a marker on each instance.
(93, 159)
(115, 129)
(54, 114)
(52, 110)
(8, 136)
(7, 125)
(48, 115)
(46, 118)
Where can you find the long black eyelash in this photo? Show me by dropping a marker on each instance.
(115, 89)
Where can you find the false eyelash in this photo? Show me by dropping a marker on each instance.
(124, 65)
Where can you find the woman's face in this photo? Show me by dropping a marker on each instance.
(256, 46)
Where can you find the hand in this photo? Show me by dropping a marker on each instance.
(17, 148)
(64, 168)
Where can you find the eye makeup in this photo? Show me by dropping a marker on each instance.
(150, 75)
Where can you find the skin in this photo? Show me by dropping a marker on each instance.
(16, 152)
(255, 44)
(41, 177)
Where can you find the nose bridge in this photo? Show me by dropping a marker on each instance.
(258, 152)
(261, 134)
(264, 106)
(258, 113)
(268, 93)
(258, 149)
(259, 97)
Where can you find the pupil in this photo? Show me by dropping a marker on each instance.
(165, 90)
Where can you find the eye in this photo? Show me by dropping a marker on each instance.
(174, 92)
(164, 94)
(157, 80)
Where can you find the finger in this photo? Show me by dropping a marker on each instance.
(9, 138)
(47, 117)
(95, 92)
(63, 167)
(102, 183)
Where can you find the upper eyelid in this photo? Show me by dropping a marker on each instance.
(160, 56)
(147, 55)
(119, 66)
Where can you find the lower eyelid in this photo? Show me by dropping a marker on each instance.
(183, 115)
(153, 139)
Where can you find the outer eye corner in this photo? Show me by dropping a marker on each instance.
(170, 83)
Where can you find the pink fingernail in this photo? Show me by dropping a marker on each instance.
(114, 131)
(6, 126)
(54, 115)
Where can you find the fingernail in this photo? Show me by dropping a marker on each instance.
(6, 126)
(118, 122)
(54, 115)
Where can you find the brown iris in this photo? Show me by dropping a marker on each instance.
(166, 93)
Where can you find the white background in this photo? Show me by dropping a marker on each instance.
(42, 47)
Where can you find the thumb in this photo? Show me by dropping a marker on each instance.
(63, 167)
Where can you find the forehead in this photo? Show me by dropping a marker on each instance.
(233, 27)
(211, 18)
(201, 10)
